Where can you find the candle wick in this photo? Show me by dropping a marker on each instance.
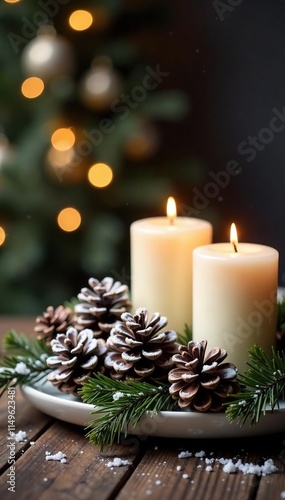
(235, 246)
(171, 219)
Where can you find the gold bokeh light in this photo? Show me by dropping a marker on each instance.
(80, 20)
(2, 235)
(63, 139)
(100, 175)
(32, 87)
(69, 219)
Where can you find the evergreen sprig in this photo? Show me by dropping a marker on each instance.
(119, 404)
(184, 338)
(24, 361)
(263, 387)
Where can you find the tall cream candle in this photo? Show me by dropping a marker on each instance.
(161, 265)
(235, 298)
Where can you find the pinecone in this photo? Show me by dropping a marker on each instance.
(201, 384)
(77, 354)
(138, 350)
(101, 307)
(53, 321)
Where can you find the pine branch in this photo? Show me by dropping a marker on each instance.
(25, 361)
(184, 338)
(263, 386)
(119, 404)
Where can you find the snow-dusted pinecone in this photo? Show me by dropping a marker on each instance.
(101, 306)
(53, 321)
(138, 349)
(76, 356)
(201, 383)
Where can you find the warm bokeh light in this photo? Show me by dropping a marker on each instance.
(80, 20)
(63, 139)
(69, 219)
(12, 1)
(60, 159)
(32, 87)
(171, 209)
(100, 175)
(2, 235)
(233, 236)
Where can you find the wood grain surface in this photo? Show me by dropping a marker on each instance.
(154, 471)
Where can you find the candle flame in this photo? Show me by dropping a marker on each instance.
(234, 237)
(171, 209)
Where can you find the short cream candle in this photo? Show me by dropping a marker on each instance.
(235, 298)
(161, 264)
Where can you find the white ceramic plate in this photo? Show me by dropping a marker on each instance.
(172, 424)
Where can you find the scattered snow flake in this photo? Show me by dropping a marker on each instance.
(117, 395)
(58, 456)
(209, 468)
(118, 462)
(229, 467)
(282, 494)
(178, 467)
(185, 454)
(200, 454)
(19, 436)
(185, 476)
(158, 482)
(22, 369)
(32, 443)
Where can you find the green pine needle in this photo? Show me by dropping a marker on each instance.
(119, 404)
(184, 338)
(24, 362)
(263, 386)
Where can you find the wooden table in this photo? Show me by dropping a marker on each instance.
(155, 471)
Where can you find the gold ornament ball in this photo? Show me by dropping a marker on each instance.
(100, 86)
(48, 56)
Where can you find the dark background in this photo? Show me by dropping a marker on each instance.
(233, 70)
(225, 61)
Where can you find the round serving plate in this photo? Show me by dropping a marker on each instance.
(173, 424)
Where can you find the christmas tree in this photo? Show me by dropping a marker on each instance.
(80, 115)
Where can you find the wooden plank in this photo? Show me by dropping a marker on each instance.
(158, 475)
(273, 486)
(84, 476)
(27, 419)
(19, 323)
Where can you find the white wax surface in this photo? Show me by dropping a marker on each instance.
(161, 266)
(234, 304)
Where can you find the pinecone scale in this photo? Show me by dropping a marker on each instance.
(139, 350)
(52, 322)
(101, 305)
(76, 356)
(201, 383)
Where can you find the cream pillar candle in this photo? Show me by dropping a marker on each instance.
(161, 265)
(235, 298)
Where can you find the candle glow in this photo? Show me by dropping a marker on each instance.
(171, 209)
(161, 264)
(234, 237)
